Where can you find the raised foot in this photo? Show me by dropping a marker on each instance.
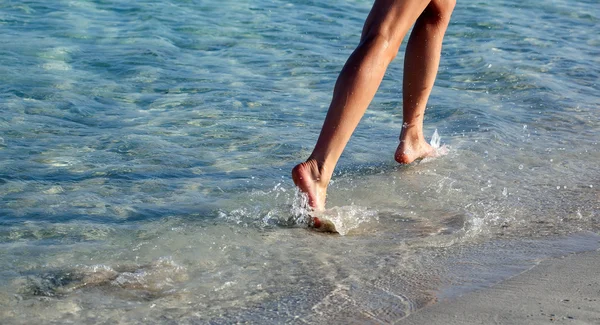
(307, 176)
(408, 151)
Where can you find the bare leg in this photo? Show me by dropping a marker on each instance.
(385, 27)
(421, 63)
(387, 24)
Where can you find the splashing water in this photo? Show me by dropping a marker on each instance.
(299, 207)
(347, 218)
(343, 218)
(435, 140)
(438, 149)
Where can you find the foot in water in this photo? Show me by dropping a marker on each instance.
(413, 147)
(307, 176)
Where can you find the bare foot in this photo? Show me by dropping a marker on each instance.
(307, 176)
(412, 148)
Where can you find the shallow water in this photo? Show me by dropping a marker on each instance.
(145, 151)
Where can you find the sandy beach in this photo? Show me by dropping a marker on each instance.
(559, 290)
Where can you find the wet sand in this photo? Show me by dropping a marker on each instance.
(557, 291)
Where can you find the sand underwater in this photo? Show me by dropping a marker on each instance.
(146, 149)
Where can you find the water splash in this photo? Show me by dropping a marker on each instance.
(438, 149)
(279, 207)
(435, 140)
(299, 209)
(347, 218)
(294, 211)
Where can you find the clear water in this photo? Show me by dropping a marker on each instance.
(145, 151)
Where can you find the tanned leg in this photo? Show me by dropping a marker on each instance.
(387, 24)
(421, 63)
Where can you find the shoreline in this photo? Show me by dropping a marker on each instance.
(557, 290)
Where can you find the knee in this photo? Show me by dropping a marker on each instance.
(439, 11)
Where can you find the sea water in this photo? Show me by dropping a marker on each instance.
(146, 149)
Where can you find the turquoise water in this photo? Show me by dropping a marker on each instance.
(145, 151)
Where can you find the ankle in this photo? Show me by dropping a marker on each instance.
(411, 133)
(318, 170)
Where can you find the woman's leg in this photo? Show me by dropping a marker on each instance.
(421, 63)
(385, 27)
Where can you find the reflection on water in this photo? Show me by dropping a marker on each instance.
(145, 151)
